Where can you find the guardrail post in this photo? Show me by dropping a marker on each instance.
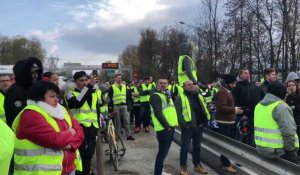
(100, 156)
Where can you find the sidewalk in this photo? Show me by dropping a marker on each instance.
(140, 157)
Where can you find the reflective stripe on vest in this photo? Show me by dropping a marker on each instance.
(119, 96)
(266, 129)
(27, 153)
(145, 98)
(169, 112)
(182, 76)
(2, 111)
(186, 108)
(86, 115)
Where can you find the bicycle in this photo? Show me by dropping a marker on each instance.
(116, 146)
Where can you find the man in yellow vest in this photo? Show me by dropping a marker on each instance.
(119, 96)
(186, 65)
(136, 105)
(145, 90)
(192, 116)
(83, 103)
(274, 126)
(164, 119)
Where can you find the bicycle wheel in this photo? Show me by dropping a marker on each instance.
(121, 147)
(113, 150)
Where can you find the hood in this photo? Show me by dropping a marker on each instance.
(22, 71)
(268, 99)
(292, 76)
(185, 48)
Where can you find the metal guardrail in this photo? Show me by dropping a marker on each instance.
(247, 159)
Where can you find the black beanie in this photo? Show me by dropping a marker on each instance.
(278, 89)
(79, 74)
(229, 79)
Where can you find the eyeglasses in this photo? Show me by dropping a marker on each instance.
(5, 81)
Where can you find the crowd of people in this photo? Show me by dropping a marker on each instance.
(56, 129)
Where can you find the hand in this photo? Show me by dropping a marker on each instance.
(67, 147)
(72, 131)
(93, 80)
(238, 110)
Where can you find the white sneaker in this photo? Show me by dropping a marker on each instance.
(164, 173)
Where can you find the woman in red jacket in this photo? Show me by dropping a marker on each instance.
(33, 126)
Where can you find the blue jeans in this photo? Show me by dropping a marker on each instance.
(164, 139)
(187, 134)
(229, 131)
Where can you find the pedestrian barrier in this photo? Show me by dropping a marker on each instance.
(246, 158)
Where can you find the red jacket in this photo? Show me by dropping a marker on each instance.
(35, 128)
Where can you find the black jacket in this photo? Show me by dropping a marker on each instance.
(247, 95)
(293, 100)
(16, 95)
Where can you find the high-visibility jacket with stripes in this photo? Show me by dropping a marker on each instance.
(86, 115)
(169, 112)
(7, 142)
(145, 98)
(104, 106)
(186, 107)
(119, 95)
(182, 76)
(135, 99)
(2, 111)
(266, 129)
(32, 159)
(207, 95)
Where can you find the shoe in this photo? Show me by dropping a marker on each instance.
(230, 169)
(137, 130)
(147, 129)
(165, 173)
(184, 171)
(130, 138)
(200, 169)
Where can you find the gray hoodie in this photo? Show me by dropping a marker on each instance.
(292, 76)
(283, 115)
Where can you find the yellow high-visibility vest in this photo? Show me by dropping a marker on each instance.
(86, 115)
(186, 108)
(119, 96)
(7, 142)
(2, 111)
(182, 76)
(266, 129)
(169, 112)
(145, 98)
(31, 159)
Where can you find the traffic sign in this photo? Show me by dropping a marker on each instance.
(110, 65)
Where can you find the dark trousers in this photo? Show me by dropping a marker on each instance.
(87, 148)
(145, 113)
(229, 131)
(164, 139)
(187, 134)
(137, 118)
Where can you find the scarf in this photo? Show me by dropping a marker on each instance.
(57, 112)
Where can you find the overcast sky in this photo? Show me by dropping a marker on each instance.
(91, 31)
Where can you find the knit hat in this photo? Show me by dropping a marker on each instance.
(292, 76)
(229, 79)
(278, 89)
(79, 74)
